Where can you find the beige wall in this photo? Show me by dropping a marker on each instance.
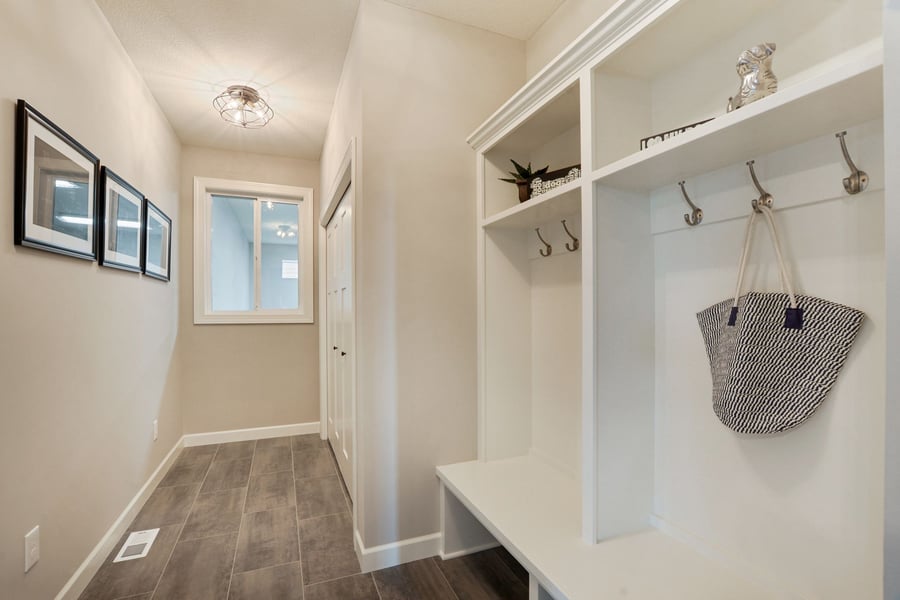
(238, 376)
(425, 83)
(86, 353)
(570, 20)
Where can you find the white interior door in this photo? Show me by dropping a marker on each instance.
(339, 323)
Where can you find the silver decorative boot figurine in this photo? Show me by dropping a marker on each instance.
(754, 67)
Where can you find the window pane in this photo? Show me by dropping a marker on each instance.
(280, 236)
(231, 253)
(61, 193)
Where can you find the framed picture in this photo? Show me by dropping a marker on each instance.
(157, 245)
(121, 223)
(56, 188)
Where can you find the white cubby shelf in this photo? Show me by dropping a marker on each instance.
(558, 203)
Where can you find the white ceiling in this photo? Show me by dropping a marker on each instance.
(189, 51)
(513, 18)
(292, 51)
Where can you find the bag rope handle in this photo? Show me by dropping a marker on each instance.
(776, 242)
(794, 316)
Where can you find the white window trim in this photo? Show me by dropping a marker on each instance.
(203, 313)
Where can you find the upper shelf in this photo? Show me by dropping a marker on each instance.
(846, 95)
(555, 204)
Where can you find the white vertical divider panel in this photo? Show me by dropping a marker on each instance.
(589, 531)
(624, 362)
(480, 287)
(507, 343)
(892, 261)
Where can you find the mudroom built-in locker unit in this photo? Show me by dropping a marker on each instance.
(601, 465)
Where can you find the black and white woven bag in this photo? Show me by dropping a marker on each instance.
(774, 356)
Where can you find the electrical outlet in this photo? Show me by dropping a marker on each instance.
(32, 547)
(155, 429)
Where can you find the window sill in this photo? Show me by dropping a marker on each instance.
(253, 319)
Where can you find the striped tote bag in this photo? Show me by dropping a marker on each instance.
(774, 356)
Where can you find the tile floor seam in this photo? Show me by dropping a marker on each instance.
(237, 542)
(340, 512)
(434, 560)
(375, 584)
(341, 578)
(297, 514)
(183, 525)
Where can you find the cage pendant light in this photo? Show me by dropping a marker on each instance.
(242, 106)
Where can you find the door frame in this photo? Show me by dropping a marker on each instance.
(345, 176)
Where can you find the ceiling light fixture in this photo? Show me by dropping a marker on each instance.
(242, 106)
(285, 231)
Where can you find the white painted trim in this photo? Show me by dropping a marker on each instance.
(253, 433)
(590, 530)
(345, 176)
(396, 553)
(612, 28)
(83, 575)
(468, 551)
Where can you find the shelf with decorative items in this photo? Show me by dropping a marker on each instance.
(558, 203)
(777, 53)
(535, 155)
(600, 457)
(848, 94)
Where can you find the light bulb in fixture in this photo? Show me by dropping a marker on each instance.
(285, 231)
(242, 105)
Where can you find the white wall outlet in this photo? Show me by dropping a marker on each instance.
(155, 429)
(32, 547)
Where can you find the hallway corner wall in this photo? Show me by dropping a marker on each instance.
(273, 377)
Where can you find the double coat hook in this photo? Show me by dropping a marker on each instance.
(857, 180)
(765, 198)
(575, 243)
(549, 248)
(696, 216)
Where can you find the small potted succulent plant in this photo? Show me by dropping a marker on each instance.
(522, 177)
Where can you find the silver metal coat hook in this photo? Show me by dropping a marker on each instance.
(765, 198)
(857, 180)
(696, 216)
(575, 243)
(549, 247)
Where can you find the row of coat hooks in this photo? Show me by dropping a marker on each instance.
(853, 184)
(547, 250)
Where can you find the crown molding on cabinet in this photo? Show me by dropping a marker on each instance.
(624, 18)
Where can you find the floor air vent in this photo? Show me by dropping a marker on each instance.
(137, 545)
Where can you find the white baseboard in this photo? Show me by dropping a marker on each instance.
(253, 433)
(83, 575)
(396, 553)
(467, 551)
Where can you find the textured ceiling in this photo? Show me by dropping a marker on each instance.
(292, 51)
(189, 51)
(513, 18)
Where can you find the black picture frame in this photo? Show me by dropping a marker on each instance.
(155, 219)
(62, 217)
(113, 226)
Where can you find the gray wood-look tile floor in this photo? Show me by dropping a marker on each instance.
(270, 520)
